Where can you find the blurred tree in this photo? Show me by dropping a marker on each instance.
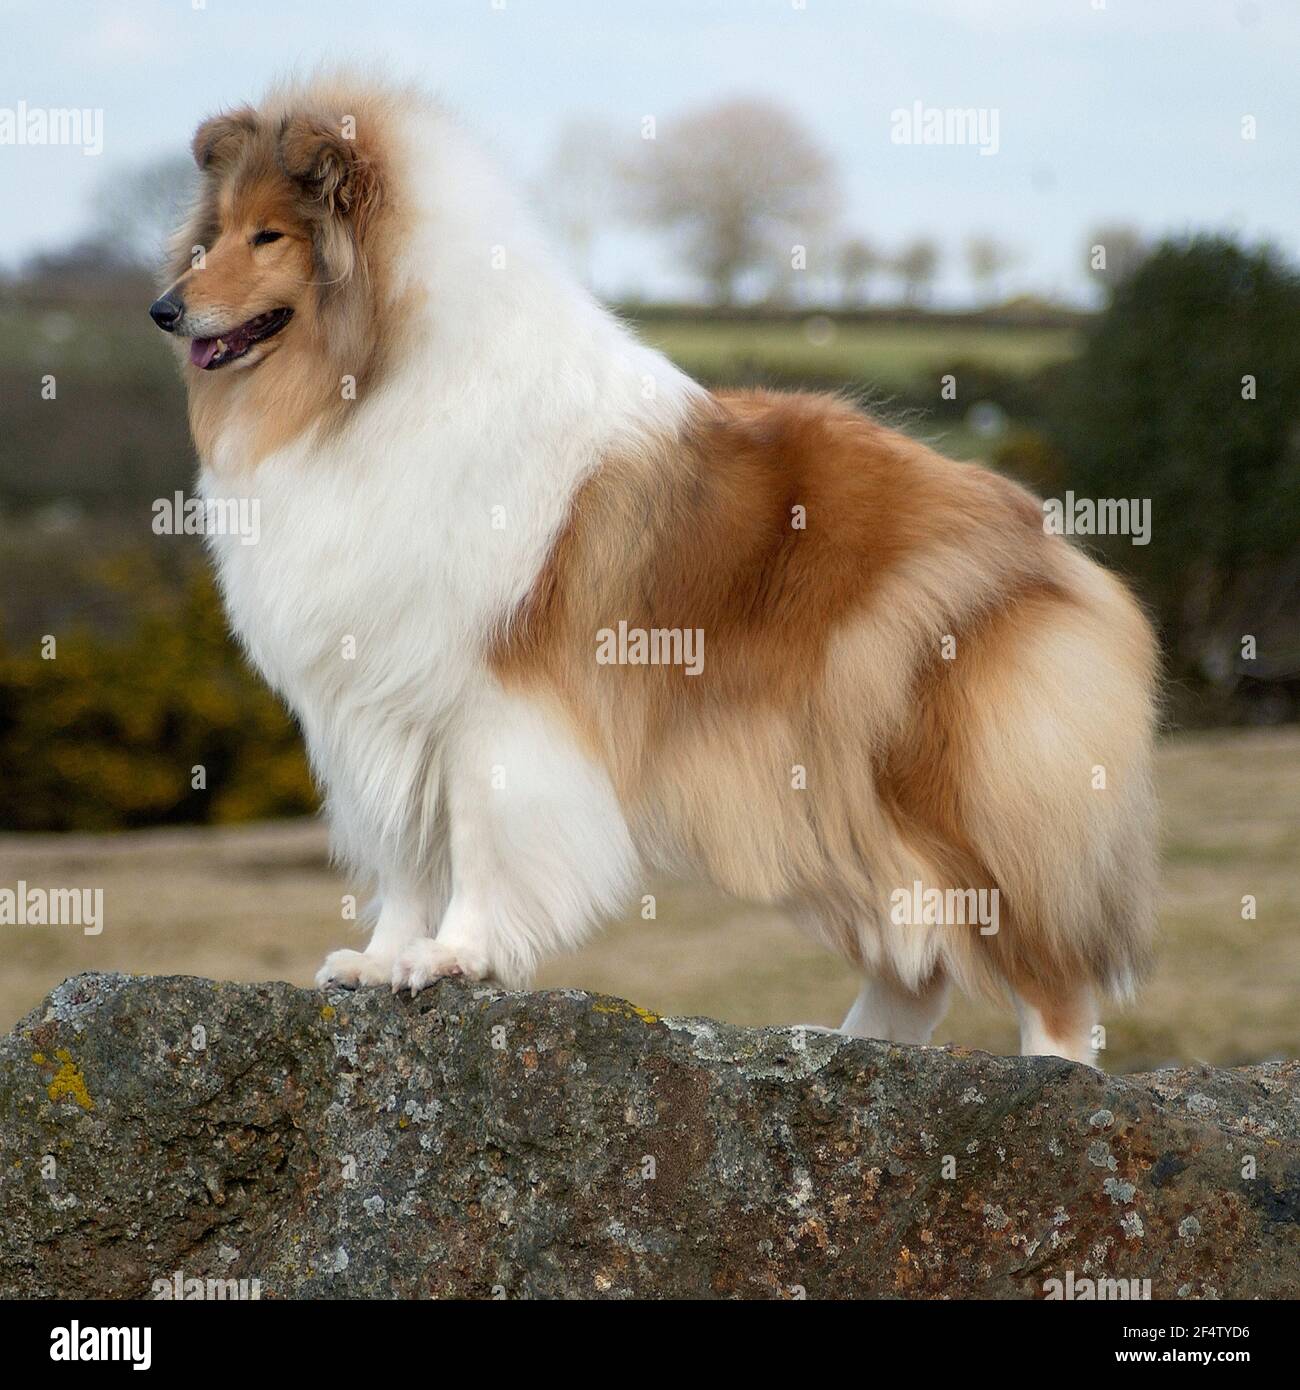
(577, 189)
(987, 258)
(1113, 252)
(135, 210)
(859, 263)
(915, 266)
(1188, 393)
(742, 182)
(88, 258)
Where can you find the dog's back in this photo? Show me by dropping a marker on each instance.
(904, 680)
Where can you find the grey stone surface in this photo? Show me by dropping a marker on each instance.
(476, 1143)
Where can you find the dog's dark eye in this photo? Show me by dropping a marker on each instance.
(265, 238)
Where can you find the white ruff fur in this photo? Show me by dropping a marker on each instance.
(413, 534)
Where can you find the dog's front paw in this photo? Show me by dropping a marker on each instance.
(348, 969)
(428, 960)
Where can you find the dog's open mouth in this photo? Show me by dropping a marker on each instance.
(210, 353)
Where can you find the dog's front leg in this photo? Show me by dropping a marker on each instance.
(463, 948)
(540, 851)
(407, 912)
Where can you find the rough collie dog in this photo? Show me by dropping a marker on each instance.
(553, 616)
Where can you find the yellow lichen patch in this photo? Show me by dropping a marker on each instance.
(626, 1011)
(403, 1122)
(907, 1272)
(327, 1013)
(68, 1081)
(38, 1058)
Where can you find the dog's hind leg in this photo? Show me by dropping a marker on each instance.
(889, 1010)
(1059, 1027)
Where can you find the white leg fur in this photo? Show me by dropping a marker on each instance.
(1073, 1042)
(540, 852)
(405, 915)
(886, 1010)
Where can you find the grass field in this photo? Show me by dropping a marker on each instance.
(261, 902)
(892, 363)
(890, 356)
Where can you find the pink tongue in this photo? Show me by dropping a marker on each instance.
(202, 351)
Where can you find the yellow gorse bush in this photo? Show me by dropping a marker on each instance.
(116, 728)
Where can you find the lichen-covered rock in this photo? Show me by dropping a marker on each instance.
(477, 1143)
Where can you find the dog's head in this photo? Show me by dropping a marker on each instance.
(276, 245)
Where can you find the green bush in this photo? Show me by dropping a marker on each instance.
(1159, 406)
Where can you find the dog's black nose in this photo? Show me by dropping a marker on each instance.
(166, 311)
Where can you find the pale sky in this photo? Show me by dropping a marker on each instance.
(1108, 110)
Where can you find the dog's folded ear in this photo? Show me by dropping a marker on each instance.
(220, 138)
(325, 162)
